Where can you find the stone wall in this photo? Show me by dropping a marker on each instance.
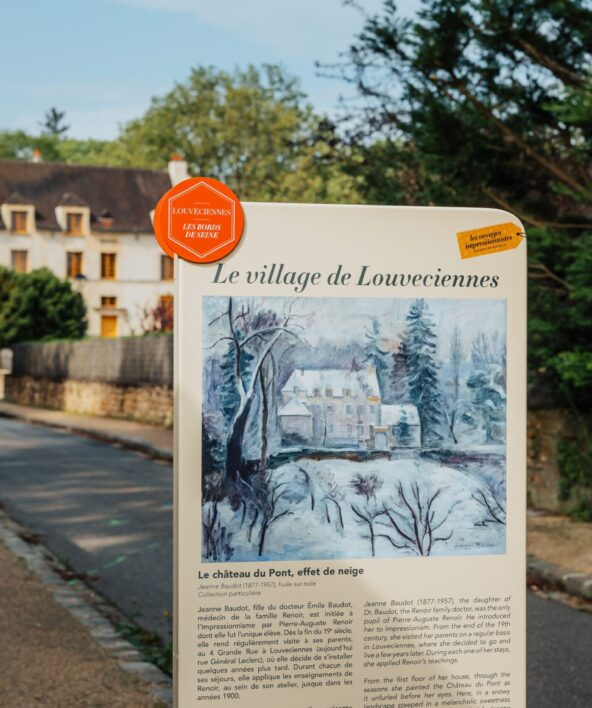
(119, 378)
(545, 429)
(148, 404)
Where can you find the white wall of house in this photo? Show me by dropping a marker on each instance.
(137, 283)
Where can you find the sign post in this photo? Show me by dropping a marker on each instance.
(350, 461)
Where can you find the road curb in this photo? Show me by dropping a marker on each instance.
(156, 453)
(543, 573)
(87, 607)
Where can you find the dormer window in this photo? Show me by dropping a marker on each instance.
(74, 224)
(19, 222)
(18, 215)
(73, 215)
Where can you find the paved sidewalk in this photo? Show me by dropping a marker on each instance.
(559, 548)
(560, 553)
(47, 657)
(150, 439)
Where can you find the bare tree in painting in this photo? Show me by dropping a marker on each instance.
(367, 517)
(492, 499)
(332, 498)
(367, 486)
(259, 342)
(413, 518)
(309, 486)
(272, 504)
(215, 536)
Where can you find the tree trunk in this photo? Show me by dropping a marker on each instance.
(264, 526)
(234, 445)
(264, 420)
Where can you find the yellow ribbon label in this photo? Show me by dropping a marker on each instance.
(490, 239)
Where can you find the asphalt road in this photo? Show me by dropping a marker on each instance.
(103, 510)
(108, 513)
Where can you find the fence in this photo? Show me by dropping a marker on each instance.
(130, 361)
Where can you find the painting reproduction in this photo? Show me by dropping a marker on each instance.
(353, 428)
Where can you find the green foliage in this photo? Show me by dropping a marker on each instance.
(574, 458)
(252, 129)
(18, 145)
(490, 104)
(38, 306)
(149, 644)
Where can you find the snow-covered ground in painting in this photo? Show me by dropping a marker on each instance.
(308, 533)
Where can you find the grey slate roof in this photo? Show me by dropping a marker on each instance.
(126, 194)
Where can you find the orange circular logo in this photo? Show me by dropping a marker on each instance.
(199, 219)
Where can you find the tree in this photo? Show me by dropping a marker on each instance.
(258, 343)
(452, 399)
(412, 517)
(375, 355)
(488, 404)
(216, 538)
(252, 129)
(482, 353)
(54, 123)
(273, 503)
(212, 466)
(236, 364)
(367, 486)
(399, 373)
(404, 438)
(422, 371)
(19, 145)
(158, 318)
(502, 84)
(492, 500)
(38, 306)
(332, 492)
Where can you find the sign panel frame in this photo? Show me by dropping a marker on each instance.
(378, 555)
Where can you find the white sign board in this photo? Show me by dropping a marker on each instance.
(350, 462)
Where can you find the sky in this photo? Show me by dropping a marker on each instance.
(102, 60)
(342, 320)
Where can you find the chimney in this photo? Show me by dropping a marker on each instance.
(37, 156)
(177, 169)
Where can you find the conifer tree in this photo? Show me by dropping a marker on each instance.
(422, 368)
(399, 372)
(377, 357)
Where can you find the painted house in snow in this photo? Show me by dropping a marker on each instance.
(343, 408)
(399, 427)
(329, 407)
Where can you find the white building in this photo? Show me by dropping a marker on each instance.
(399, 426)
(342, 405)
(93, 226)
